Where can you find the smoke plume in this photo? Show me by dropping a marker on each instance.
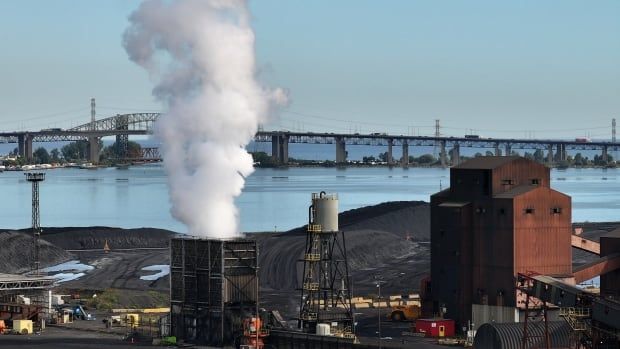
(201, 55)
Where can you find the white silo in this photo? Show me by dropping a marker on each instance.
(325, 211)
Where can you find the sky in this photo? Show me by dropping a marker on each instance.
(532, 69)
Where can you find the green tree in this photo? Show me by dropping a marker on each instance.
(74, 151)
(489, 153)
(41, 156)
(539, 155)
(426, 159)
(578, 160)
(55, 154)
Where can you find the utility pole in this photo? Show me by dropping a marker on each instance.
(35, 178)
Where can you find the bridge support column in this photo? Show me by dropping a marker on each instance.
(604, 154)
(341, 150)
(442, 154)
(275, 148)
(561, 152)
(498, 152)
(390, 158)
(550, 155)
(508, 149)
(93, 150)
(28, 147)
(279, 149)
(456, 155)
(404, 161)
(21, 146)
(283, 149)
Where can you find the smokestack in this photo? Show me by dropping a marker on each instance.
(214, 102)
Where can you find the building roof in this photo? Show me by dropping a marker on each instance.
(453, 204)
(487, 162)
(516, 191)
(22, 282)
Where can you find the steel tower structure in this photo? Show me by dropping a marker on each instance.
(35, 178)
(325, 289)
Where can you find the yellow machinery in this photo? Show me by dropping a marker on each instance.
(22, 326)
(404, 312)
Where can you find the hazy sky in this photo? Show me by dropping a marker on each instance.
(496, 68)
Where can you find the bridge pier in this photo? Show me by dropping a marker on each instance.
(604, 154)
(498, 152)
(341, 150)
(390, 157)
(550, 155)
(508, 149)
(442, 154)
(561, 152)
(25, 147)
(21, 146)
(456, 155)
(279, 149)
(404, 161)
(93, 150)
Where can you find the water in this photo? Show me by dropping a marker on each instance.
(274, 199)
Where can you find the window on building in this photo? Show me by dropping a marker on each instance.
(508, 182)
(529, 210)
(556, 210)
(535, 181)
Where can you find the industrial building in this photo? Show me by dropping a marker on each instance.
(501, 260)
(213, 289)
(498, 218)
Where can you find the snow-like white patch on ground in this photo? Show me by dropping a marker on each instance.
(76, 266)
(70, 265)
(163, 271)
(64, 277)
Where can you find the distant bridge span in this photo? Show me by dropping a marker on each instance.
(124, 125)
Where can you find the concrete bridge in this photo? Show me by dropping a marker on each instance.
(123, 125)
(449, 147)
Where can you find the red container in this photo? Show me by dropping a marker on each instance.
(435, 327)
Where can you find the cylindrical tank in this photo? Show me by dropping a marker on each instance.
(323, 330)
(325, 211)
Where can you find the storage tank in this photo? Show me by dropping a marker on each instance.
(323, 330)
(325, 211)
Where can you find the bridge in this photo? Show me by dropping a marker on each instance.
(123, 125)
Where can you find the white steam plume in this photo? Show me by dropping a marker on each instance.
(201, 55)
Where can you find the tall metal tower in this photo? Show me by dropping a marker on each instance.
(325, 289)
(92, 113)
(35, 178)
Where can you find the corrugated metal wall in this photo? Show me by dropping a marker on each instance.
(509, 336)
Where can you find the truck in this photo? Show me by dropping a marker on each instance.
(582, 140)
(404, 312)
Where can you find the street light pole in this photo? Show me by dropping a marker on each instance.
(379, 312)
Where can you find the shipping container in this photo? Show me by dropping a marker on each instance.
(435, 327)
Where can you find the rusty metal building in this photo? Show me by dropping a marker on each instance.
(498, 218)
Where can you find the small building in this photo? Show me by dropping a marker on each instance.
(435, 327)
(499, 217)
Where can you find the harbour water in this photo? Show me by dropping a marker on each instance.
(273, 199)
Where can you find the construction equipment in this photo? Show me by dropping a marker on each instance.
(254, 333)
(405, 312)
